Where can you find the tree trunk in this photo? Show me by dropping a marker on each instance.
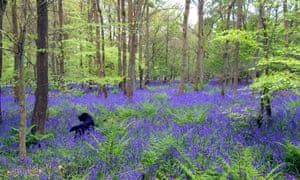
(265, 98)
(132, 40)
(286, 27)
(3, 4)
(102, 64)
(22, 124)
(16, 54)
(200, 54)
(140, 56)
(98, 44)
(140, 24)
(119, 41)
(147, 60)
(61, 45)
(124, 58)
(54, 59)
(184, 39)
(41, 93)
(237, 48)
(225, 76)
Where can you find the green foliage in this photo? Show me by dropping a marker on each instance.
(30, 138)
(235, 35)
(125, 113)
(241, 166)
(292, 158)
(277, 81)
(196, 114)
(293, 106)
(111, 150)
(75, 163)
(148, 110)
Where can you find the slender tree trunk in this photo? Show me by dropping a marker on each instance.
(132, 40)
(119, 41)
(98, 44)
(102, 69)
(184, 39)
(265, 99)
(3, 4)
(147, 60)
(16, 54)
(140, 41)
(54, 59)
(90, 38)
(22, 125)
(286, 27)
(140, 24)
(61, 45)
(200, 54)
(226, 76)
(237, 48)
(166, 73)
(124, 46)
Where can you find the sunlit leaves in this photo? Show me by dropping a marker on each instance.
(235, 35)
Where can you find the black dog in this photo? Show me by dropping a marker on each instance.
(87, 124)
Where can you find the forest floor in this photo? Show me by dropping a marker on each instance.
(156, 135)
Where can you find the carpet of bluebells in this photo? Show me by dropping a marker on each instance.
(156, 135)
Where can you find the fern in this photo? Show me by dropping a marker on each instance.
(241, 166)
(111, 151)
(292, 158)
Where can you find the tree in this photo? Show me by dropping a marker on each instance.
(237, 47)
(225, 75)
(41, 93)
(21, 45)
(102, 64)
(184, 37)
(61, 38)
(3, 4)
(16, 54)
(132, 49)
(118, 6)
(124, 46)
(200, 52)
(147, 59)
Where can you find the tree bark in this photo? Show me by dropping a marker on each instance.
(141, 72)
(3, 4)
(237, 48)
(147, 60)
(200, 54)
(286, 27)
(16, 54)
(265, 102)
(41, 93)
(61, 45)
(124, 46)
(184, 40)
(98, 44)
(102, 64)
(132, 40)
(119, 41)
(22, 124)
(54, 60)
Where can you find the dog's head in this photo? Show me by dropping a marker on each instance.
(84, 117)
